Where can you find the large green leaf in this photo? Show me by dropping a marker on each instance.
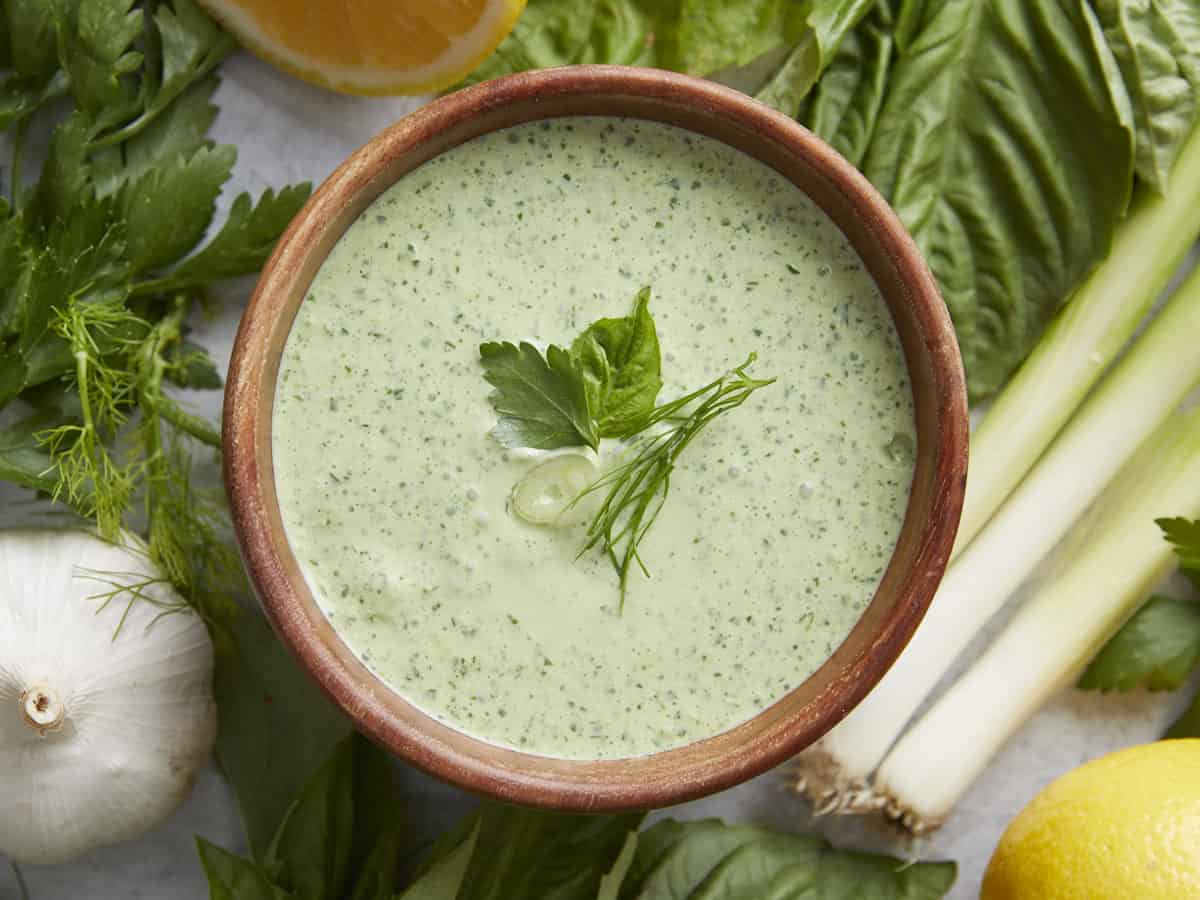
(709, 860)
(232, 878)
(822, 26)
(1157, 46)
(310, 853)
(847, 100)
(276, 727)
(693, 36)
(443, 876)
(1005, 144)
(522, 854)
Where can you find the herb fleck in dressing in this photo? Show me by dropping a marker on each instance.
(396, 499)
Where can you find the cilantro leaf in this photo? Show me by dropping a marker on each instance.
(542, 400)
(621, 365)
(244, 241)
(127, 184)
(64, 183)
(1158, 647)
(168, 209)
(30, 32)
(189, 46)
(181, 130)
(94, 40)
(1184, 536)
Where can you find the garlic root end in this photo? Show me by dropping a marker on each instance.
(42, 708)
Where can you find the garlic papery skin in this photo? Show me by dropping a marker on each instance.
(102, 732)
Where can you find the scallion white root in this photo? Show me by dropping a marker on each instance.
(1130, 403)
(1108, 570)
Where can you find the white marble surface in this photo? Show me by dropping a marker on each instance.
(288, 132)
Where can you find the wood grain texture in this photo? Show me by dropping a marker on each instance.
(911, 577)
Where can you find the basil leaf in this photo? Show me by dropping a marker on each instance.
(1006, 148)
(826, 24)
(1159, 647)
(276, 727)
(523, 854)
(378, 810)
(708, 860)
(376, 877)
(1157, 46)
(621, 366)
(708, 35)
(610, 884)
(846, 103)
(310, 853)
(693, 36)
(562, 32)
(443, 877)
(542, 400)
(674, 858)
(232, 878)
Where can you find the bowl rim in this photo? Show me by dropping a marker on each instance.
(665, 777)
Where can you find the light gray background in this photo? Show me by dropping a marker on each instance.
(286, 131)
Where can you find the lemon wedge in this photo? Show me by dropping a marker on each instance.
(371, 46)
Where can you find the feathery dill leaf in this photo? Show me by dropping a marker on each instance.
(102, 259)
(635, 491)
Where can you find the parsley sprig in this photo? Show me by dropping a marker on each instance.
(606, 385)
(103, 258)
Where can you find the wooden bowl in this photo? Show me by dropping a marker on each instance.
(911, 577)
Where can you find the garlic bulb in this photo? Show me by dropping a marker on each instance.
(101, 736)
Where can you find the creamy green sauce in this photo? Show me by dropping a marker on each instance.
(782, 515)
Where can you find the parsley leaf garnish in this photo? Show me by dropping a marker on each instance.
(1158, 647)
(1160, 644)
(604, 386)
(1184, 536)
(542, 399)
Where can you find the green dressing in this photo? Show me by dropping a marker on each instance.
(782, 515)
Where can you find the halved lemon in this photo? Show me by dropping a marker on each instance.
(371, 46)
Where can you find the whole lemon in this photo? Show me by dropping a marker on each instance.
(1125, 826)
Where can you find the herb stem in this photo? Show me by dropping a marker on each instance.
(152, 286)
(636, 490)
(188, 423)
(18, 153)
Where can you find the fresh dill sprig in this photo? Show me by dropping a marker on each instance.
(105, 249)
(636, 490)
(134, 588)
